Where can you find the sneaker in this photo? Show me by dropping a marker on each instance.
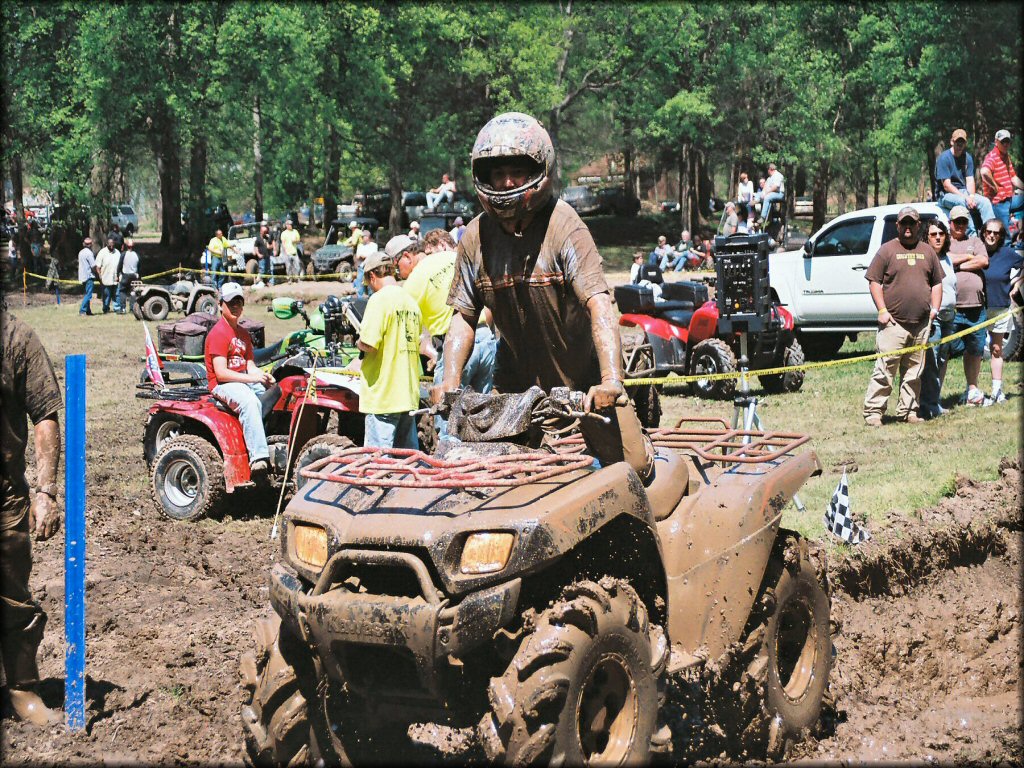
(873, 420)
(258, 284)
(975, 397)
(999, 397)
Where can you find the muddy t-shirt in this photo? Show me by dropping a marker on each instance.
(28, 390)
(906, 276)
(234, 344)
(970, 283)
(537, 287)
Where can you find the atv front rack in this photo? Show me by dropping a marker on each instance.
(408, 468)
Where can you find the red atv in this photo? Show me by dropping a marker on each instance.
(681, 335)
(196, 452)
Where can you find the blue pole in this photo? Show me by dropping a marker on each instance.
(74, 543)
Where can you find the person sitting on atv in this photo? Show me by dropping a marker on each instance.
(531, 260)
(233, 376)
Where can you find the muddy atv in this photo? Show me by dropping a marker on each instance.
(154, 302)
(537, 584)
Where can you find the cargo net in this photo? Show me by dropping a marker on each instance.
(408, 468)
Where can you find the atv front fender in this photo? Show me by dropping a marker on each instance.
(223, 427)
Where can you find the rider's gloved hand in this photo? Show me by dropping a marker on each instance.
(607, 394)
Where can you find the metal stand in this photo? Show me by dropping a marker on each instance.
(746, 405)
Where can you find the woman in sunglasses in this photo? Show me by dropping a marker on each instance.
(935, 234)
(1003, 262)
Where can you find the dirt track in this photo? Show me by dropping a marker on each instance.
(925, 669)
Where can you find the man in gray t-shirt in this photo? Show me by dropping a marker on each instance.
(127, 271)
(86, 274)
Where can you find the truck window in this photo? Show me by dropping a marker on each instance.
(850, 237)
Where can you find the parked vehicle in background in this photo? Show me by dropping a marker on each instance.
(125, 217)
(616, 201)
(823, 284)
(582, 199)
(445, 221)
(374, 204)
(413, 206)
(41, 213)
(333, 257)
(669, 206)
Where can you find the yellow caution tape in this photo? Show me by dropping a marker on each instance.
(673, 378)
(51, 279)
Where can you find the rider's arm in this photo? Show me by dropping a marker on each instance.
(458, 346)
(605, 333)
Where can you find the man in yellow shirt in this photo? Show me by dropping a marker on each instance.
(219, 248)
(389, 340)
(290, 239)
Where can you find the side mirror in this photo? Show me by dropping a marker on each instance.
(808, 248)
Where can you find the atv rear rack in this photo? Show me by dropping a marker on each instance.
(408, 468)
(181, 394)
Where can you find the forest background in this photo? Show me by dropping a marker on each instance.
(275, 105)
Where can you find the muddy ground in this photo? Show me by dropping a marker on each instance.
(927, 645)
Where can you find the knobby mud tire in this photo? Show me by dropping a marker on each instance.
(315, 449)
(189, 470)
(1013, 349)
(722, 360)
(646, 399)
(597, 635)
(156, 308)
(791, 381)
(207, 304)
(276, 712)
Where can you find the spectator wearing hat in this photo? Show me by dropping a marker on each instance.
(970, 259)
(389, 338)
(355, 237)
(731, 219)
(363, 250)
(1000, 182)
(87, 274)
(905, 280)
(1004, 264)
(457, 229)
(233, 376)
(954, 174)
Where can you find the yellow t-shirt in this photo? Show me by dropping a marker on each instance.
(289, 239)
(429, 284)
(218, 245)
(391, 375)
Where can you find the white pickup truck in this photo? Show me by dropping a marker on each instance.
(823, 284)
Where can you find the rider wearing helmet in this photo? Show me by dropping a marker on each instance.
(531, 260)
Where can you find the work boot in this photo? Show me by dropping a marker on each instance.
(22, 672)
(29, 707)
(873, 420)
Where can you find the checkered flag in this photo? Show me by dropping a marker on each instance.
(837, 516)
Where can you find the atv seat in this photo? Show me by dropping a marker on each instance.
(267, 401)
(668, 482)
(264, 355)
(676, 312)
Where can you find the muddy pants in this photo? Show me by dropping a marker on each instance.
(894, 336)
(22, 620)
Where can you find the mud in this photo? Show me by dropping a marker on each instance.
(927, 649)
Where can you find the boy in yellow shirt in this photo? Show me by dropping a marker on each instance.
(389, 338)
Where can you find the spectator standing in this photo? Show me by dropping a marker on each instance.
(445, 191)
(127, 271)
(290, 238)
(1003, 263)
(954, 174)
(774, 190)
(934, 373)
(1000, 182)
(87, 274)
(106, 264)
(905, 280)
(457, 229)
(115, 233)
(263, 248)
(28, 390)
(732, 220)
(389, 338)
(363, 251)
(35, 242)
(219, 249)
(970, 258)
(414, 230)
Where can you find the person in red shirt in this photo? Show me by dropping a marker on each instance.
(1000, 181)
(233, 376)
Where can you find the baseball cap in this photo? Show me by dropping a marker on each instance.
(458, 221)
(353, 225)
(396, 245)
(1002, 134)
(414, 225)
(230, 291)
(959, 212)
(908, 212)
(374, 260)
(959, 133)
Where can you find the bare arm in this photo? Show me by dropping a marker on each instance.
(969, 183)
(947, 186)
(427, 349)
(876, 296)
(44, 515)
(970, 260)
(365, 347)
(607, 344)
(936, 298)
(458, 346)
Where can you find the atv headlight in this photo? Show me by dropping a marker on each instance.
(486, 552)
(310, 544)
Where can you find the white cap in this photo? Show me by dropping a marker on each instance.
(353, 225)
(1002, 134)
(229, 291)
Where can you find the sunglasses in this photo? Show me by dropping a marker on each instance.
(993, 232)
(937, 234)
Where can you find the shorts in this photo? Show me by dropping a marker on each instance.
(1004, 325)
(974, 343)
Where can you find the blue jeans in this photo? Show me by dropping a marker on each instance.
(390, 430)
(767, 200)
(433, 198)
(947, 201)
(108, 296)
(217, 265)
(361, 287)
(972, 343)
(85, 308)
(478, 373)
(244, 399)
(1012, 206)
(934, 372)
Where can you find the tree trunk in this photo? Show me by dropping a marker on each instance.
(554, 122)
(800, 181)
(332, 172)
(874, 178)
(788, 171)
(98, 198)
(692, 193)
(168, 167)
(257, 157)
(684, 185)
(820, 195)
(841, 193)
(860, 188)
(890, 198)
(395, 183)
(197, 224)
(922, 179)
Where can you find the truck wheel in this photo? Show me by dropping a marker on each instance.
(207, 304)
(1012, 343)
(583, 686)
(188, 478)
(791, 381)
(713, 356)
(276, 717)
(315, 449)
(821, 346)
(155, 308)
